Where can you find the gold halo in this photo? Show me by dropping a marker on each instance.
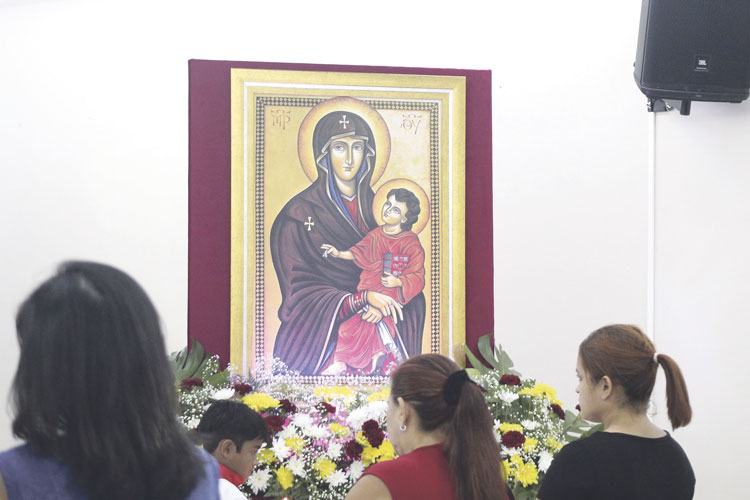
(382, 193)
(368, 114)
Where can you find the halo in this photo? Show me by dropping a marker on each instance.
(368, 113)
(382, 193)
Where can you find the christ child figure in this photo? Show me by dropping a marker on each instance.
(392, 262)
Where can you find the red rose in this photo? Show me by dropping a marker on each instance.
(325, 407)
(513, 439)
(288, 406)
(353, 449)
(375, 437)
(559, 411)
(242, 388)
(510, 380)
(275, 423)
(370, 425)
(188, 383)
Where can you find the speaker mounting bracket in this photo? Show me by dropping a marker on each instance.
(656, 105)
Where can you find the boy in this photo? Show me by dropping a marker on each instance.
(392, 262)
(233, 433)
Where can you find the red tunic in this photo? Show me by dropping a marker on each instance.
(358, 341)
(422, 474)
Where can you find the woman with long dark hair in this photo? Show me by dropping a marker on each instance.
(94, 398)
(440, 426)
(632, 458)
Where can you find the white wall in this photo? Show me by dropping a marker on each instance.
(93, 164)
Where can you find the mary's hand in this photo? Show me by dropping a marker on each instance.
(385, 304)
(372, 315)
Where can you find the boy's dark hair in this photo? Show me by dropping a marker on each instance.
(226, 419)
(412, 206)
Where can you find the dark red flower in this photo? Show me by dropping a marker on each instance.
(242, 388)
(578, 407)
(559, 411)
(375, 437)
(510, 380)
(513, 439)
(328, 408)
(188, 383)
(275, 423)
(288, 406)
(370, 425)
(353, 449)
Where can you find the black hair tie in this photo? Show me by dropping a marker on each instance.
(453, 386)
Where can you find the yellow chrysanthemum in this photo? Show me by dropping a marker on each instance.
(505, 466)
(552, 444)
(266, 456)
(386, 451)
(530, 443)
(505, 427)
(380, 395)
(285, 477)
(295, 443)
(339, 429)
(370, 455)
(361, 439)
(259, 401)
(516, 461)
(527, 474)
(325, 467)
(334, 392)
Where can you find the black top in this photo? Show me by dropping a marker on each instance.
(614, 466)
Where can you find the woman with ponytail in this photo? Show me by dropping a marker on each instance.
(441, 429)
(632, 458)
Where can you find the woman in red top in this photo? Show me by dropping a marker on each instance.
(441, 427)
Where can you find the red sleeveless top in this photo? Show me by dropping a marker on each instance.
(422, 474)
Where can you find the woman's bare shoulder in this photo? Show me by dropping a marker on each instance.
(369, 488)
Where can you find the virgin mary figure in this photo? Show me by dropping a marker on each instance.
(319, 294)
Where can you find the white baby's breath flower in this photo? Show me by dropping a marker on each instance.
(336, 477)
(258, 480)
(545, 459)
(334, 450)
(280, 449)
(297, 466)
(225, 393)
(356, 469)
(192, 423)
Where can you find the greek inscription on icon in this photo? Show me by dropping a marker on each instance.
(280, 118)
(411, 122)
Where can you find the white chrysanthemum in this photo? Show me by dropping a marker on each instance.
(545, 459)
(302, 420)
(372, 411)
(334, 450)
(530, 424)
(509, 452)
(223, 393)
(317, 431)
(336, 477)
(356, 469)
(507, 396)
(280, 449)
(258, 480)
(287, 432)
(297, 466)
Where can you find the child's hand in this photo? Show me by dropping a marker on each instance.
(329, 250)
(390, 281)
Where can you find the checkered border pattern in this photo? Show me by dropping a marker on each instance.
(259, 289)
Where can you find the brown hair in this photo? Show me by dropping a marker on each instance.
(626, 355)
(471, 448)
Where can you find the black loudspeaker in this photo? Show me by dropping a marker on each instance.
(694, 50)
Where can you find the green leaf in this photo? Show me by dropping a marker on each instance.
(474, 361)
(487, 350)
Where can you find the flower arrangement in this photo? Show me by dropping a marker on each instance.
(322, 438)
(530, 423)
